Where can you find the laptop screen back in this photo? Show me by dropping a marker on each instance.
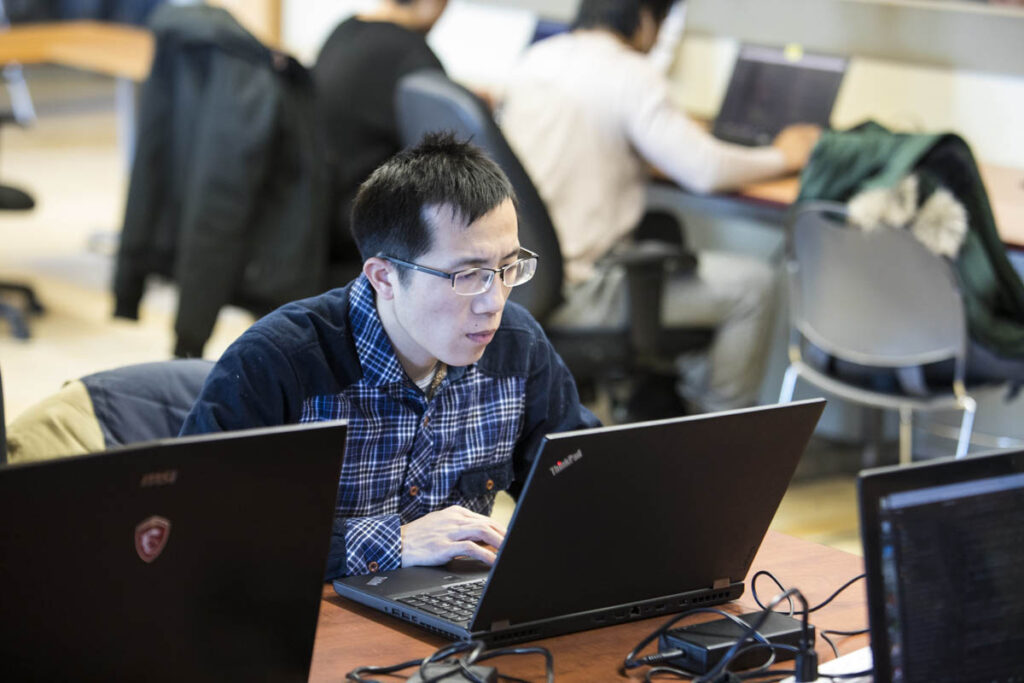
(200, 558)
(944, 547)
(621, 514)
(772, 87)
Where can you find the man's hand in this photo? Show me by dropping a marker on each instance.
(796, 142)
(455, 531)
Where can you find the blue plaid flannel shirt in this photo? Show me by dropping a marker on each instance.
(404, 455)
(328, 357)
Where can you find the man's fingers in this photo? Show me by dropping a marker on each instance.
(475, 516)
(475, 551)
(477, 532)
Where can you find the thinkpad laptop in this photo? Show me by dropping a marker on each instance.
(943, 552)
(771, 88)
(199, 558)
(615, 524)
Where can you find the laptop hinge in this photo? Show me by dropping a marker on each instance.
(721, 583)
(500, 624)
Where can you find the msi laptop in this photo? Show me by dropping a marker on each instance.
(199, 558)
(771, 88)
(615, 524)
(944, 552)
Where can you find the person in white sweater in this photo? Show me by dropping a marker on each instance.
(588, 114)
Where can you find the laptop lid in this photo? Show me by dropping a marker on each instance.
(620, 515)
(943, 551)
(772, 87)
(200, 558)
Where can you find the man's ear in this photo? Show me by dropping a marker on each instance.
(382, 276)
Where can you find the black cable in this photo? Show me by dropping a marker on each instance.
(753, 588)
(823, 633)
(549, 660)
(475, 648)
(837, 592)
(858, 632)
(476, 652)
(831, 644)
(678, 673)
(356, 674)
(833, 596)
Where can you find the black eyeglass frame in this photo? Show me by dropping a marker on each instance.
(530, 256)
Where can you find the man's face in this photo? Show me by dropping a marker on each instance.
(430, 321)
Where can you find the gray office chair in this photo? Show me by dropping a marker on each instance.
(877, 299)
(125, 405)
(428, 101)
(22, 113)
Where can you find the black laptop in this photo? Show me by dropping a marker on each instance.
(773, 87)
(199, 558)
(944, 556)
(615, 524)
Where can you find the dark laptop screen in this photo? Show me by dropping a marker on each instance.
(945, 586)
(773, 87)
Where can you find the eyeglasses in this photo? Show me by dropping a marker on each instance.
(474, 281)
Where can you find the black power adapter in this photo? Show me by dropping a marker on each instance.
(702, 646)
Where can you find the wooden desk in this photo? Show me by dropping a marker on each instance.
(349, 635)
(1005, 187)
(117, 50)
(114, 50)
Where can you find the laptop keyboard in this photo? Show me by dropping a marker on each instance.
(454, 603)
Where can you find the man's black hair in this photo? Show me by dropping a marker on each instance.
(620, 16)
(389, 216)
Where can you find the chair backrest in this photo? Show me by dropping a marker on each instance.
(428, 101)
(876, 297)
(145, 401)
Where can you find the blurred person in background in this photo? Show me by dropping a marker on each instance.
(588, 113)
(355, 75)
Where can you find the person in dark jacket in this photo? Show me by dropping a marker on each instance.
(447, 387)
(355, 74)
(227, 191)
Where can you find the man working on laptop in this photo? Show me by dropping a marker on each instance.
(447, 390)
(588, 114)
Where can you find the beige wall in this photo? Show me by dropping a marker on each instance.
(261, 17)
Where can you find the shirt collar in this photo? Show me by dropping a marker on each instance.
(376, 354)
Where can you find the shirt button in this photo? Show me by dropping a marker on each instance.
(426, 420)
(373, 566)
(489, 484)
(414, 491)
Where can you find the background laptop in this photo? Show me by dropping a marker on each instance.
(199, 558)
(615, 524)
(771, 88)
(944, 552)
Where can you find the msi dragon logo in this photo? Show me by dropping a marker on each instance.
(151, 537)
